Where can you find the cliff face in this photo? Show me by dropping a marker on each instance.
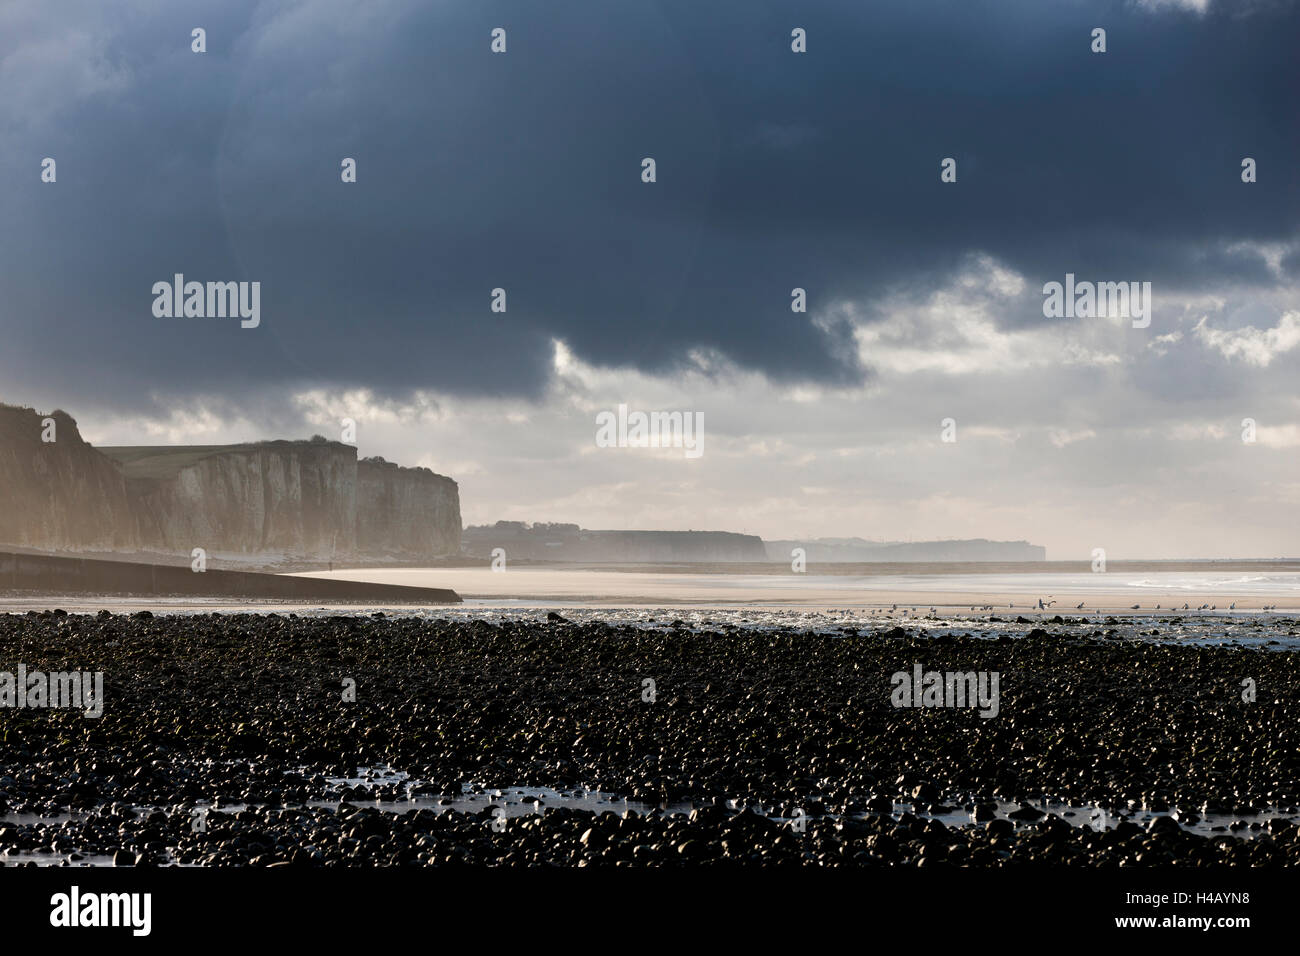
(858, 551)
(300, 499)
(568, 542)
(408, 512)
(295, 499)
(671, 546)
(292, 498)
(61, 494)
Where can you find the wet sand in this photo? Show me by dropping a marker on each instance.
(1113, 592)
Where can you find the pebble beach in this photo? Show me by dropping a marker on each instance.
(381, 739)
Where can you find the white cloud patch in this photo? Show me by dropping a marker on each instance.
(1252, 345)
(1278, 436)
(196, 421)
(1060, 437)
(1195, 6)
(955, 331)
(1161, 344)
(327, 409)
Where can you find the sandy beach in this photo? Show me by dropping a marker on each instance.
(1248, 586)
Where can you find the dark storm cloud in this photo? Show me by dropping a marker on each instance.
(522, 171)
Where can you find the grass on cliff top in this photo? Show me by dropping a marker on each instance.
(165, 461)
(150, 461)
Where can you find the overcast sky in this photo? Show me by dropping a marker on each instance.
(775, 170)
